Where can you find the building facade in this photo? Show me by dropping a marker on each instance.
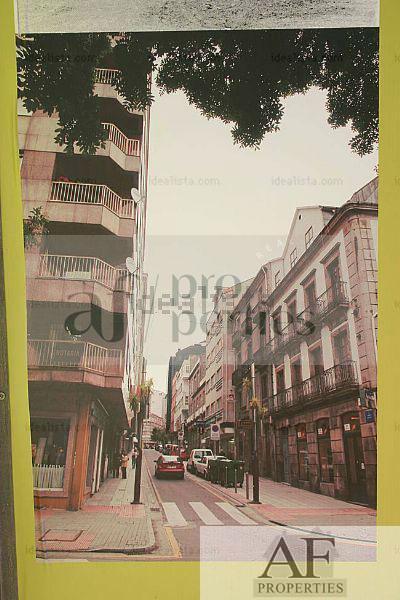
(197, 401)
(219, 394)
(317, 365)
(153, 422)
(81, 298)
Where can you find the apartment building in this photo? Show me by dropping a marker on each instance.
(174, 365)
(153, 422)
(181, 388)
(316, 367)
(219, 394)
(197, 397)
(81, 297)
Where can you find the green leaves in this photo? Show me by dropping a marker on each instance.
(239, 77)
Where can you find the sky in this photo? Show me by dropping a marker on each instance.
(216, 211)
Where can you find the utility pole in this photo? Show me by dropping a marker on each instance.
(255, 468)
(138, 469)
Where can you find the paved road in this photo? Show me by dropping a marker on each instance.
(189, 504)
(160, 15)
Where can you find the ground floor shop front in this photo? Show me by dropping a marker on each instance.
(76, 437)
(329, 450)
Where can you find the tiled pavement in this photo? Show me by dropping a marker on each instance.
(289, 505)
(108, 522)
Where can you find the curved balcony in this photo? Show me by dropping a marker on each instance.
(105, 80)
(322, 387)
(93, 204)
(66, 279)
(75, 362)
(129, 146)
(84, 268)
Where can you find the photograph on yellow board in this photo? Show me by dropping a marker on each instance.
(200, 229)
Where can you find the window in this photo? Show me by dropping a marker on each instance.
(310, 295)
(341, 348)
(302, 452)
(280, 380)
(249, 322)
(277, 323)
(291, 308)
(277, 278)
(325, 451)
(49, 440)
(309, 237)
(316, 362)
(293, 257)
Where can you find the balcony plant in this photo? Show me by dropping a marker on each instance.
(35, 226)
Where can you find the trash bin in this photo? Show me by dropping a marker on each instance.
(212, 470)
(227, 473)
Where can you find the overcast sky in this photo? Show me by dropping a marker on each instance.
(219, 211)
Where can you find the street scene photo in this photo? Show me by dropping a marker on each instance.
(201, 242)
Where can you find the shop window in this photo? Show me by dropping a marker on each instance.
(325, 451)
(302, 452)
(49, 449)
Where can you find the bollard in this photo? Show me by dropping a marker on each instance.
(247, 486)
(235, 480)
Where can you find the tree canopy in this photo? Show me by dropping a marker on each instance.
(239, 77)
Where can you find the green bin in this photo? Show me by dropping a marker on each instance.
(230, 471)
(212, 470)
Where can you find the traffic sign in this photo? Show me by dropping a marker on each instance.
(180, 435)
(244, 424)
(215, 432)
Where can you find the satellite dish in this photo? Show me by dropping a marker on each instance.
(135, 195)
(130, 264)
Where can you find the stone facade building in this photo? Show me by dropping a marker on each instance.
(316, 362)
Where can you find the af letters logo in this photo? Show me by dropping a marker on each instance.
(300, 567)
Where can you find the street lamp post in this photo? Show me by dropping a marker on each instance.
(255, 467)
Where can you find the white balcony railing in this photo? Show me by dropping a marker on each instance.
(91, 193)
(84, 268)
(108, 76)
(75, 354)
(129, 146)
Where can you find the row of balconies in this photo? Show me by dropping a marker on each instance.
(333, 299)
(327, 383)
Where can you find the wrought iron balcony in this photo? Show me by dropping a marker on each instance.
(330, 301)
(90, 193)
(324, 384)
(75, 355)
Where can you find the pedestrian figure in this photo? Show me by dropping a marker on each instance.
(116, 464)
(134, 457)
(124, 464)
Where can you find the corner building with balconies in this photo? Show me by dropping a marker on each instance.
(316, 365)
(79, 293)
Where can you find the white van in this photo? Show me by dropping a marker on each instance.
(195, 457)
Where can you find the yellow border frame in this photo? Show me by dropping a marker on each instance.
(64, 581)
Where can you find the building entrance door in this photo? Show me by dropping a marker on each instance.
(284, 435)
(356, 475)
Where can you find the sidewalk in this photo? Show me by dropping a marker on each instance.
(108, 522)
(287, 505)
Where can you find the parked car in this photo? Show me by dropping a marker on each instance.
(202, 466)
(195, 458)
(169, 466)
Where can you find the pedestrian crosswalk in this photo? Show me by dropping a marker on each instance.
(198, 511)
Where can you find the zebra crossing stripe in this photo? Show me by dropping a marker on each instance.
(205, 514)
(174, 516)
(236, 515)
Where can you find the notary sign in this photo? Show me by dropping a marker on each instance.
(215, 432)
